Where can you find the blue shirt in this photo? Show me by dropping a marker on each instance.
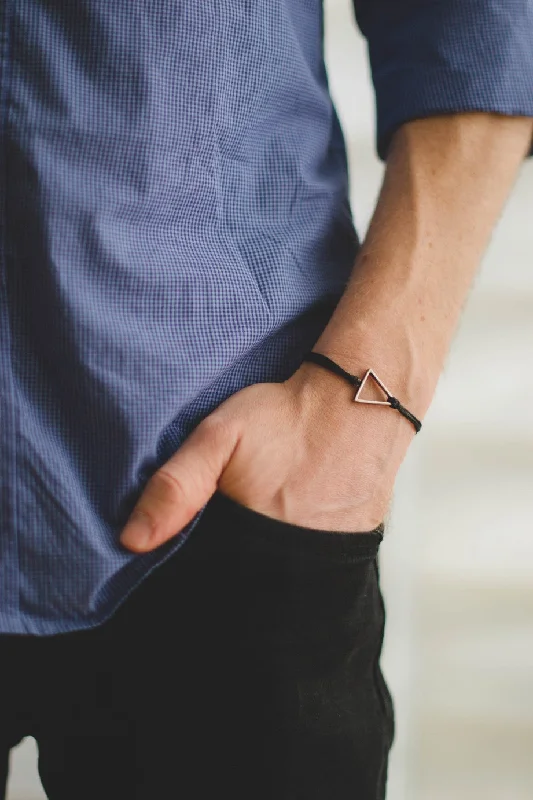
(175, 226)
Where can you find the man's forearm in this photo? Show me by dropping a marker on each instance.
(446, 182)
(290, 449)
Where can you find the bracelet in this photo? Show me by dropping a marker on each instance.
(393, 402)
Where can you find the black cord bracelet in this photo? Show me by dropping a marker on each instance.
(393, 402)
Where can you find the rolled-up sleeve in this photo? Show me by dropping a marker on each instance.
(432, 57)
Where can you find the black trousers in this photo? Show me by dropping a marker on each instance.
(247, 664)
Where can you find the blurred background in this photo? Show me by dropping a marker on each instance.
(457, 561)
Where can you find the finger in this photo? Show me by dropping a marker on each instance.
(179, 489)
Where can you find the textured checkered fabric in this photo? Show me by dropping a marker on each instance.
(175, 225)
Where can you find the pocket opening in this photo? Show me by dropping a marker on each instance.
(349, 546)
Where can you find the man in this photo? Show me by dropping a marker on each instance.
(191, 508)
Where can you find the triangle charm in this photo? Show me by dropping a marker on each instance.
(358, 399)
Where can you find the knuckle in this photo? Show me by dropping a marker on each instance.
(167, 487)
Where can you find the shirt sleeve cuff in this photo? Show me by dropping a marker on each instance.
(453, 57)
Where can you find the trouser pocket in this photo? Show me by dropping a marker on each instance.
(304, 610)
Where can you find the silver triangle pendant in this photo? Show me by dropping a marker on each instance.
(358, 399)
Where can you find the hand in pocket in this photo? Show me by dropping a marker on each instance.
(298, 451)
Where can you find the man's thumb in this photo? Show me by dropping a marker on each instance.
(179, 489)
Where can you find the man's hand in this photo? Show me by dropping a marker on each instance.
(300, 451)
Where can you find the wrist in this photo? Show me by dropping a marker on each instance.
(328, 398)
(396, 359)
